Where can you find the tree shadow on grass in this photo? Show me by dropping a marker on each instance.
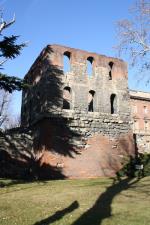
(102, 208)
(58, 215)
(4, 183)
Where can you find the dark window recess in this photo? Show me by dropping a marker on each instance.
(113, 102)
(91, 100)
(66, 104)
(66, 97)
(110, 70)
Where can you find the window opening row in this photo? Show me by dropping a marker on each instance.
(67, 100)
(136, 125)
(135, 109)
(89, 62)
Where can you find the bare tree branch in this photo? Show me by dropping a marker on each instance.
(9, 49)
(13, 122)
(2, 62)
(7, 119)
(4, 24)
(4, 105)
(134, 36)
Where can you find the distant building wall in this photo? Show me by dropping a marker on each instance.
(140, 108)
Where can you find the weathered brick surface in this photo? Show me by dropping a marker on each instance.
(65, 133)
(140, 113)
(49, 80)
(76, 141)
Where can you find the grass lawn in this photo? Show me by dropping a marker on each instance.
(75, 202)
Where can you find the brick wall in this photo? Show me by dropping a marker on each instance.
(70, 109)
(140, 111)
(81, 122)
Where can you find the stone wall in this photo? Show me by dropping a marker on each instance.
(143, 142)
(16, 153)
(81, 123)
(90, 123)
(49, 80)
(16, 141)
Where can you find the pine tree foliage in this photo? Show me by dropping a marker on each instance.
(9, 49)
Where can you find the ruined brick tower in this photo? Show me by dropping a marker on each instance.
(80, 118)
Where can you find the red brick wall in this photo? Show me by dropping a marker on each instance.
(139, 114)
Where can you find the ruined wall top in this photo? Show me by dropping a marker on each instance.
(82, 55)
(53, 89)
(77, 57)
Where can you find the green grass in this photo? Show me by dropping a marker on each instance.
(75, 202)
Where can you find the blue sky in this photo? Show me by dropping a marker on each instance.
(83, 24)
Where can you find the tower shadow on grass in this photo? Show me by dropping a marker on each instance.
(102, 208)
(58, 215)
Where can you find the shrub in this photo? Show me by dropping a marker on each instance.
(136, 167)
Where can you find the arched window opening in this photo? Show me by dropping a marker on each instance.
(89, 63)
(66, 62)
(90, 101)
(145, 109)
(145, 125)
(110, 69)
(113, 102)
(66, 98)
